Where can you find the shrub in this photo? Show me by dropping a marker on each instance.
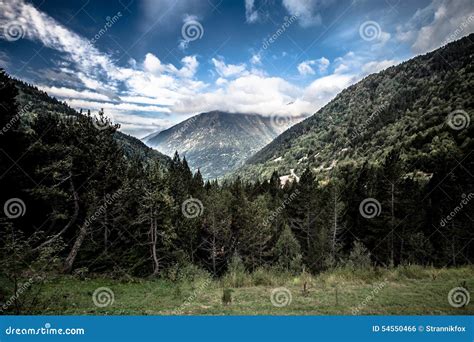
(264, 276)
(236, 275)
(359, 256)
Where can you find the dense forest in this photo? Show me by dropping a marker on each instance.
(75, 199)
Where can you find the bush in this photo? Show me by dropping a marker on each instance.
(359, 256)
(236, 275)
(187, 272)
(264, 276)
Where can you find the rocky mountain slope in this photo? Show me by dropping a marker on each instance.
(217, 142)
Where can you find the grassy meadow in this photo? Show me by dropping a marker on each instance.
(409, 290)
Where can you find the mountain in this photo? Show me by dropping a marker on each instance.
(422, 107)
(36, 102)
(217, 142)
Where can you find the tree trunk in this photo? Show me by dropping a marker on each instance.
(214, 253)
(75, 249)
(73, 219)
(154, 239)
(334, 234)
(106, 229)
(392, 224)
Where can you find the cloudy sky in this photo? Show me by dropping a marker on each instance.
(153, 63)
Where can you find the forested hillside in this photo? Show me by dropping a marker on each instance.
(33, 102)
(408, 107)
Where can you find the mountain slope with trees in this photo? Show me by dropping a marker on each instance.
(408, 107)
(33, 102)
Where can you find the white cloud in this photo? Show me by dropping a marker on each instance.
(439, 23)
(360, 64)
(154, 66)
(227, 70)
(221, 81)
(322, 90)
(251, 13)
(247, 94)
(306, 67)
(307, 11)
(63, 92)
(376, 66)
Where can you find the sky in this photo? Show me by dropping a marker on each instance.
(153, 63)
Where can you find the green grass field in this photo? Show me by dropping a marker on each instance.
(402, 291)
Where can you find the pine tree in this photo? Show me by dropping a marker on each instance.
(287, 251)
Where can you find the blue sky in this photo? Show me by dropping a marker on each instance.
(153, 63)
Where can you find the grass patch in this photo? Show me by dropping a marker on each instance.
(408, 290)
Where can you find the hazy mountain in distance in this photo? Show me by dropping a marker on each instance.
(218, 142)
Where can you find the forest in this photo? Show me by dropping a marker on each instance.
(77, 202)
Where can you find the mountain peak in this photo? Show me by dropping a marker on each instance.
(216, 142)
